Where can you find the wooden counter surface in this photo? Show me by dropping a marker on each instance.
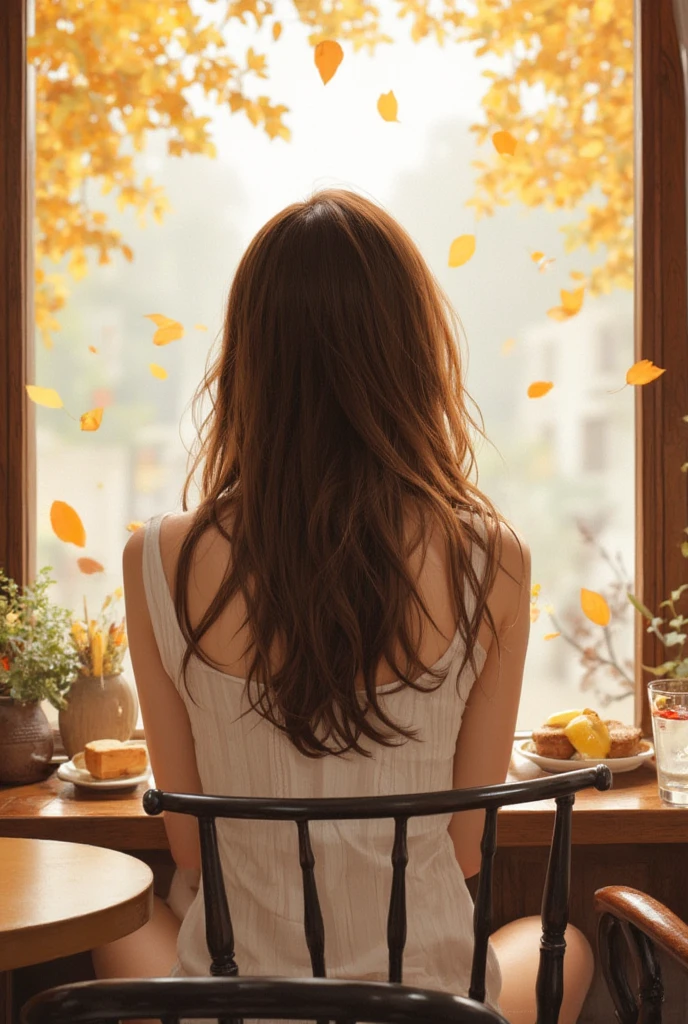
(630, 813)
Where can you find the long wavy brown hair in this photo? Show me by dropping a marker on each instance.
(336, 405)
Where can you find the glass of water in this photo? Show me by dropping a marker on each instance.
(669, 707)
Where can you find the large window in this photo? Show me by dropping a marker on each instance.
(560, 466)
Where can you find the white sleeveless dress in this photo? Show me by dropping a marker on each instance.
(249, 757)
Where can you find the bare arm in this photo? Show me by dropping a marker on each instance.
(486, 736)
(166, 722)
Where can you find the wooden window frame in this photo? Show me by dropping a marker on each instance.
(661, 311)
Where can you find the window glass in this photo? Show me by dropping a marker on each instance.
(546, 296)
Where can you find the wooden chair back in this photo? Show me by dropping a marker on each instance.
(562, 788)
(172, 1000)
(633, 925)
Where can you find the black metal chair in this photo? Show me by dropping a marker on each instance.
(561, 788)
(232, 999)
(634, 925)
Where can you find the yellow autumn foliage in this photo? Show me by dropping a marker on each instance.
(109, 74)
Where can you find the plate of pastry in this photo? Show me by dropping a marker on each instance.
(570, 740)
(107, 764)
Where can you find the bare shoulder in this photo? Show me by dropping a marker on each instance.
(511, 587)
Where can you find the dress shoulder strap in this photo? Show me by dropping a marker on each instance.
(168, 636)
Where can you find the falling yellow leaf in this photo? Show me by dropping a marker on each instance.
(643, 372)
(535, 590)
(387, 106)
(277, 30)
(44, 396)
(534, 613)
(89, 565)
(134, 525)
(508, 345)
(328, 57)
(572, 301)
(577, 275)
(559, 313)
(461, 250)
(595, 607)
(168, 329)
(66, 524)
(91, 420)
(200, 327)
(504, 143)
(93, 349)
(539, 388)
(592, 149)
(536, 256)
(158, 371)
(551, 636)
(546, 263)
(117, 593)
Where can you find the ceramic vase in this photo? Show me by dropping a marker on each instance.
(98, 709)
(26, 742)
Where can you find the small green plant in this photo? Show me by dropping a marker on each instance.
(37, 660)
(670, 630)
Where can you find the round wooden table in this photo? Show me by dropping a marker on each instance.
(62, 898)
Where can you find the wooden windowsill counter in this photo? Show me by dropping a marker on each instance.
(629, 813)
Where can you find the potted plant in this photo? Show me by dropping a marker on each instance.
(37, 663)
(101, 704)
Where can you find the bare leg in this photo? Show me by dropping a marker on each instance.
(149, 952)
(517, 946)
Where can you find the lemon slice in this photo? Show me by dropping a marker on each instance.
(562, 718)
(589, 735)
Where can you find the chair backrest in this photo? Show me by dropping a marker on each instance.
(231, 999)
(632, 922)
(562, 788)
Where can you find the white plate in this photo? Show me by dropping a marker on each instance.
(68, 772)
(526, 748)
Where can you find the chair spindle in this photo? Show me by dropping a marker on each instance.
(612, 948)
(482, 912)
(651, 989)
(396, 918)
(218, 923)
(312, 915)
(549, 987)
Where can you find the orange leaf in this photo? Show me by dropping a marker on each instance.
(135, 525)
(643, 372)
(89, 565)
(91, 420)
(168, 329)
(536, 256)
(158, 371)
(539, 388)
(595, 607)
(534, 613)
(47, 397)
(504, 143)
(328, 56)
(461, 250)
(66, 524)
(551, 636)
(277, 30)
(387, 106)
(577, 275)
(93, 349)
(559, 313)
(546, 264)
(572, 301)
